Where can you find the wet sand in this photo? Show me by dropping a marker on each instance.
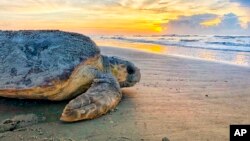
(177, 98)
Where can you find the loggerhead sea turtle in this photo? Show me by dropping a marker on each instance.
(56, 65)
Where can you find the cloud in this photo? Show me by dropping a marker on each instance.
(188, 24)
(230, 24)
(230, 21)
(192, 21)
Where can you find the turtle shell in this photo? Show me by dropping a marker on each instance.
(35, 58)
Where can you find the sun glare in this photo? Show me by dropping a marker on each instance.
(158, 29)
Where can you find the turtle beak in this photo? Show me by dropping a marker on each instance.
(132, 78)
(137, 76)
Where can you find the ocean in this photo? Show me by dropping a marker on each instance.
(225, 49)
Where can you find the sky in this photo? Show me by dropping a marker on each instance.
(221, 17)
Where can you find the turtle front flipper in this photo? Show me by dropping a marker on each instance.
(103, 95)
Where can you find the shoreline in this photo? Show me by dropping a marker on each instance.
(184, 57)
(163, 50)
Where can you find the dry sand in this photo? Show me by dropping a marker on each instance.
(177, 98)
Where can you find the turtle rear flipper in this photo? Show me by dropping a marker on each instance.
(103, 95)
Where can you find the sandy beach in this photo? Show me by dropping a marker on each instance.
(177, 98)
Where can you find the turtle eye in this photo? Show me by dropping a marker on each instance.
(130, 70)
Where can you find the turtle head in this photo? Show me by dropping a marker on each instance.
(125, 72)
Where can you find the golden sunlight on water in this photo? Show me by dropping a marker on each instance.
(240, 59)
(207, 55)
(151, 48)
